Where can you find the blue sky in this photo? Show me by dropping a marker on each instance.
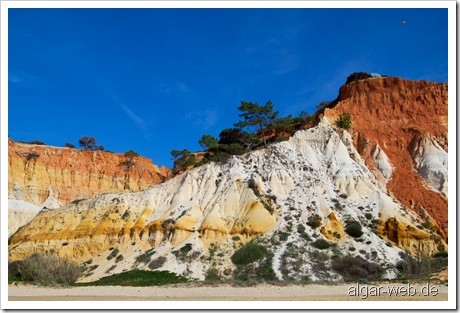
(154, 80)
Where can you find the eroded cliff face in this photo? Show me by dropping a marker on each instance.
(193, 223)
(38, 172)
(47, 177)
(400, 129)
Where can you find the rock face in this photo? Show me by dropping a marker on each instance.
(400, 129)
(193, 223)
(37, 172)
(44, 176)
(20, 213)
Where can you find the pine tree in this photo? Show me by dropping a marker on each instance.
(256, 116)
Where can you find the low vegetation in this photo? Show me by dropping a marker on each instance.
(113, 254)
(357, 76)
(46, 270)
(421, 266)
(321, 244)
(145, 257)
(253, 263)
(259, 126)
(314, 221)
(138, 278)
(356, 268)
(249, 253)
(353, 228)
(36, 142)
(344, 121)
(157, 263)
(89, 143)
(182, 254)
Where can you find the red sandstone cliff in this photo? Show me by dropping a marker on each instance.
(36, 171)
(399, 117)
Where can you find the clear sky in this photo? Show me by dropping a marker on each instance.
(154, 80)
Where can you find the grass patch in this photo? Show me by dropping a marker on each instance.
(138, 278)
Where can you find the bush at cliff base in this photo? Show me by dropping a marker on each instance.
(48, 270)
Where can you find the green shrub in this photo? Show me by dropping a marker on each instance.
(113, 254)
(319, 256)
(314, 221)
(13, 271)
(321, 244)
(183, 253)
(212, 275)
(300, 229)
(36, 142)
(283, 236)
(262, 271)
(49, 270)
(368, 216)
(357, 76)
(344, 121)
(249, 253)
(110, 269)
(418, 267)
(265, 270)
(145, 257)
(157, 263)
(440, 254)
(31, 156)
(186, 248)
(356, 268)
(353, 228)
(253, 185)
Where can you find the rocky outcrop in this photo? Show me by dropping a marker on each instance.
(194, 222)
(20, 213)
(37, 173)
(400, 128)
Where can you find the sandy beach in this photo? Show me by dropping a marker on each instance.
(313, 292)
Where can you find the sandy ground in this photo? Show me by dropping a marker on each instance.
(221, 293)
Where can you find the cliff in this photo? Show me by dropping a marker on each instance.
(44, 176)
(36, 172)
(399, 127)
(193, 223)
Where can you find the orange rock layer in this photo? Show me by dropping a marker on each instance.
(395, 114)
(36, 171)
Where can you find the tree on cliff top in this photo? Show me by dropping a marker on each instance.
(209, 142)
(88, 143)
(257, 116)
(357, 76)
